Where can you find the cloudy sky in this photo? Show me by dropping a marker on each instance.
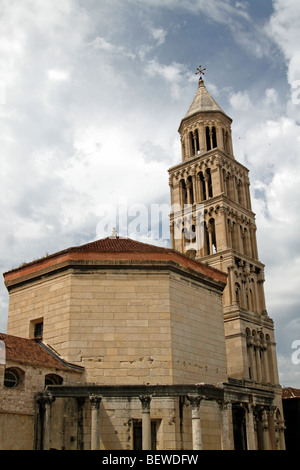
(91, 96)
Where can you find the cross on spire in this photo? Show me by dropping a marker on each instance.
(200, 71)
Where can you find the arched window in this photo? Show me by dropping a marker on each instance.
(205, 241)
(213, 241)
(13, 377)
(192, 143)
(191, 189)
(238, 293)
(53, 379)
(208, 143)
(210, 190)
(240, 192)
(202, 186)
(214, 137)
(197, 142)
(183, 192)
(225, 139)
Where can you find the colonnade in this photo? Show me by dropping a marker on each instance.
(263, 427)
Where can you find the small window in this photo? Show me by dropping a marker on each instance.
(53, 379)
(11, 378)
(38, 330)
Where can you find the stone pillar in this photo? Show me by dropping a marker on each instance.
(182, 139)
(225, 409)
(209, 229)
(271, 423)
(202, 138)
(250, 429)
(206, 186)
(265, 425)
(196, 422)
(95, 422)
(250, 355)
(48, 400)
(265, 361)
(281, 435)
(258, 361)
(194, 181)
(232, 285)
(146, 422)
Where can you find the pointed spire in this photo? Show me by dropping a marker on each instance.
(203, 101)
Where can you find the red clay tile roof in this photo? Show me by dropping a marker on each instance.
(118, 245)
(290, 392)
(31, 352)
(117, 248)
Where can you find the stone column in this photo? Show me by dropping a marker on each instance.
(258, 360)
(225, 409)
(281, 435)
(183, 147)
(95, 422)
(202, 138)
(250, 429)
(206, 186)
(265, 425)
(232, 285)
(146, 422)
(196, 422)
(265, 361)
(271, 422)
(48, 400)
(194, 181)
(209, 229)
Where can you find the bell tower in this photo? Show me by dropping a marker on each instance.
(211, 182)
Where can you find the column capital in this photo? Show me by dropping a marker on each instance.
(145, 400)
(95, 401)
(223, 404)
(46, 399)
(195, 400)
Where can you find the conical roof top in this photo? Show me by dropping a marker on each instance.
(203, 102)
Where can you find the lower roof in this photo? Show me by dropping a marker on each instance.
(31, 352)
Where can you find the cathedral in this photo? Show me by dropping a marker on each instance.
(123, 345)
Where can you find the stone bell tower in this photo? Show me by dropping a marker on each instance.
(211, 182)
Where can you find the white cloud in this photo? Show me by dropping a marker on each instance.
(58, 75)
(100, 43)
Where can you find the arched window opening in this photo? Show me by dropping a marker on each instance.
(251, 304)
(212, 237)
(244, 239)
(192, 143)
(197, 142)
(13, 377)
(53, 379)
(202, 187)
(225, 139)
(240, 193)
(234, 234)
(190, 188)
(214, 137)
(207, 133)
(206, 240)
(209, 182)
(246, 299)
(183, 192)
(238, 293)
